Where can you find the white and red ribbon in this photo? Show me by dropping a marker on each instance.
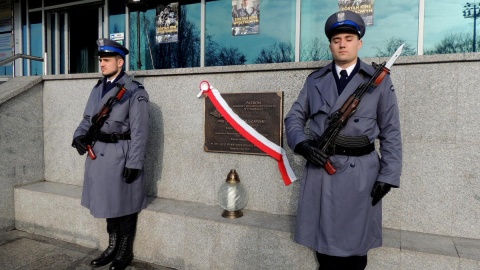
(257, 139)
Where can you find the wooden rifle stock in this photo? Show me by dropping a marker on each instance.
(99, 119)
(91, 154)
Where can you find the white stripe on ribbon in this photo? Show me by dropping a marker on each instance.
(257, 139)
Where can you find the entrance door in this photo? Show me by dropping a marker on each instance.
(72, 34)
(84, 25)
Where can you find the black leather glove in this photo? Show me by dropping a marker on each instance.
(311, 153)
(79, 144)
(379, 190)
(130, 174)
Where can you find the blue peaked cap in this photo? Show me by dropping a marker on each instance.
(345, 21)
(108, 47)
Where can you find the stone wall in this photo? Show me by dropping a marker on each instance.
(440, 188)
(21, 140)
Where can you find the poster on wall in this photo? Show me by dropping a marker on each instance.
(362, 7)
(245, 17)
(167, 23)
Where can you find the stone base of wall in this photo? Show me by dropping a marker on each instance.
(187, 235)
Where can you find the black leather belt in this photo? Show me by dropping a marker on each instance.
(352, 151)
(112, 138)
(351, 146)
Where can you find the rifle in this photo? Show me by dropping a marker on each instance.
(99, 119)
(339, 118)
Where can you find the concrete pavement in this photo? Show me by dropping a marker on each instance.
(21, 251)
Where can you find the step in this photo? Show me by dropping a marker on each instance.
(187, 235)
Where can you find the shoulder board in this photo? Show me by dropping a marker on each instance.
(99, 82)
(321, 72)
(134, 85)
(138, 84)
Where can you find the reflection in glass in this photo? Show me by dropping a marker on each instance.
(274, 43)
(184, 53)
(36, 67)
(446, 29)
(313, 42)
(394, 23)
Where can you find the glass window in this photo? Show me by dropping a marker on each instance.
(449, 27)
(62, 43)
(184, 52)
(36, 67)
(116, 20)
(394, 23)
(53, 42)
(227, 45)
(313, 42)
(34, 4)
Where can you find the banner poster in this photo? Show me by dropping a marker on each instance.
(245, 17)
(167, 23)
(363, 7)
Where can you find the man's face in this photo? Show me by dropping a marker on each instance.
(111, 65)
(344, 48)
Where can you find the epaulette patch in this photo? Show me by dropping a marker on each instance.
(142, 98)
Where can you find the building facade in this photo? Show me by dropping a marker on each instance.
(205, 33)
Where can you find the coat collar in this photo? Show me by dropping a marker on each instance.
(122, 78)
(326, 85)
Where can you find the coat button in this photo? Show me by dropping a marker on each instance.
(352, 165)
(356, 120)
(101, 154)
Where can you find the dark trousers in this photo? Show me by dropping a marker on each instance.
(125, 226)
(328, 262)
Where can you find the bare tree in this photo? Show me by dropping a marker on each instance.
(315, 50)
(277, 53)
(453, 43)
(183, 53)
(211, 51)
(391, 45)
(231, 56)
(217, 55)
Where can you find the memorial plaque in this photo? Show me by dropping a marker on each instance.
(262, 111)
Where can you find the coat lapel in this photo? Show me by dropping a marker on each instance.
(363, 75)
(103, 100)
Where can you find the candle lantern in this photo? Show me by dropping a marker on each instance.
(232, 196)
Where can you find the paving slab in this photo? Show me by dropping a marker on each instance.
(25, 251)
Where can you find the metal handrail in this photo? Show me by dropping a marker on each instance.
(20, 55)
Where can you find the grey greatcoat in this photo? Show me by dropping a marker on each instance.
(105, 192)
(335, 214)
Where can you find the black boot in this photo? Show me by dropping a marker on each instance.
(109, 254)
(124, 255)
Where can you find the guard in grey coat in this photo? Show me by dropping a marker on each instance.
(113, 185)
(340, 215)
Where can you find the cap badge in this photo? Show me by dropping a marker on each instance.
(340, 16)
